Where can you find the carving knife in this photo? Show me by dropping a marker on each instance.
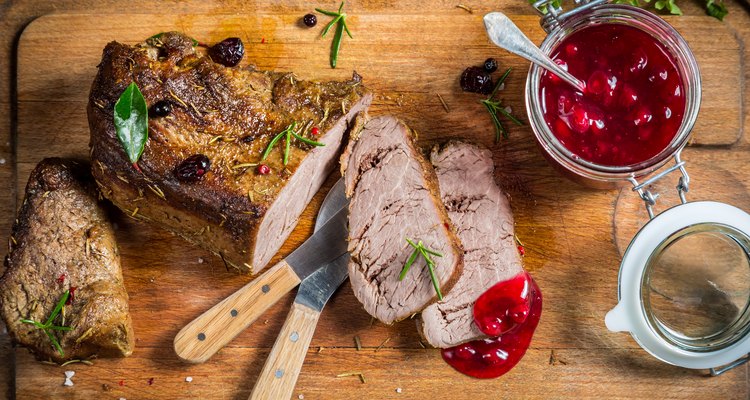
(212, 330)
(280, 372)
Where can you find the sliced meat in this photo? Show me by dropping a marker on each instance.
(481, 213)
(394, 196)
(62, 241)
(229, 115)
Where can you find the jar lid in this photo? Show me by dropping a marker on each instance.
(684, 286)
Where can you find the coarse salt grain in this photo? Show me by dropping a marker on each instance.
(189, 379)
(200, 260)
(398, 390)
(2, 161)
(68, 375)
(301, 397)
(122, 398)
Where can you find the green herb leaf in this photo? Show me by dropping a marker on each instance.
(494, 107)
(287, 134)
(306, 140)
(408, 264)
(48, 326)
(131, 122)
(716, 9)
(420, 249)
(339, 19)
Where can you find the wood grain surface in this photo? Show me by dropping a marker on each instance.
(408, 52)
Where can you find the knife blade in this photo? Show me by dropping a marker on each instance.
(213, 329)
(283, 365)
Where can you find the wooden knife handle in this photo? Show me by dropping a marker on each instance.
(213, 329)
(280, 372)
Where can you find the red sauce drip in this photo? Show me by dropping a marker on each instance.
(61, 279)
(634, 100)
(512, 307)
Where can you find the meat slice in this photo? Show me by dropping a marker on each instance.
(394, 196)
(229, 115)
(481, 213)
(63, 241)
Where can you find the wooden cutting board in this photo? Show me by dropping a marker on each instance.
(408, 59)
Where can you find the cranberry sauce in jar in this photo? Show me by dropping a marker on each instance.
(509, 313)
(634, 100)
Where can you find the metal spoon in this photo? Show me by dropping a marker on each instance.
(505, 34)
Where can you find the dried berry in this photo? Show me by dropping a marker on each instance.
(161, 109)
(264, 169)
(490, 65)
(477, 80)
(228, 52)
(193, 168)
(310, 20)
(315, 131)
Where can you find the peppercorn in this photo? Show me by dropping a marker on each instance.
(228, 52)
(192, 168)
(264, 169)
(310, 20)
(161, 108)
(490, 65)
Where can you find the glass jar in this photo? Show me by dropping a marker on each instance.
(574, 167)
(684, 282)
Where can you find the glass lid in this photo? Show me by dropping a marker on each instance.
(684, 286)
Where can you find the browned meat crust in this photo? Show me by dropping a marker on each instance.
(230, 115)
(62, 239)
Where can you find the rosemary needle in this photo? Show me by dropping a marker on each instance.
(287, 135)
(47, 326)
(339, 19)
(420, 249)
(494, 107)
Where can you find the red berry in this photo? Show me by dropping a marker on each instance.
(465, 351)
(264, 169)
(315, 130)
(579, 119)
(597, 82)
(519, 313)
(494, 357)
(492, 326)
(628, 96)
(192, 168)
(521, 249)
(642, 116)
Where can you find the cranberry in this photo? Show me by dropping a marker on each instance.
(628, 96)
(477, 80)
(465, 351)
(192, 168)
(642, 116)
(315, 131)
(228, 52)
(161, 108)
(264, 169)
(310, 20)
(634, 103)
(563, 65)
(494, 310)
(490, 65)
(493, 357)
(579, 119)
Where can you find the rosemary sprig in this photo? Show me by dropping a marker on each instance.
(420, 249)
(494, 107)
(47, 326)
(339, 19)
(287, 134)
